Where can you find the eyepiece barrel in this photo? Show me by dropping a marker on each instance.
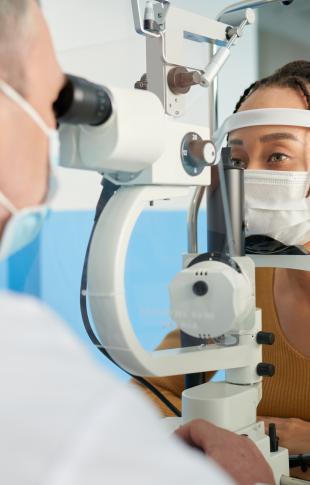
(82, 102)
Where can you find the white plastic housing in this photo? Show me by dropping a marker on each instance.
(131, 140)
(168, 169)
(206, 316)
(226, 405)
(237, 17)
(107, 296)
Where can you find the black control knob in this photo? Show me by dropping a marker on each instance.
(265, 370)
(200, 288)
(265, 338)
(274, 440)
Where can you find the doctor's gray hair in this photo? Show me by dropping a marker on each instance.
(14, 23)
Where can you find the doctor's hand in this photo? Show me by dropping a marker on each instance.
(237, 455)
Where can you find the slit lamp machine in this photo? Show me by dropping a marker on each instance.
(137, 140)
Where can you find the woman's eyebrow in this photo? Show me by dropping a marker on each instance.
(267, 138)
(235, 141)
(279, 136)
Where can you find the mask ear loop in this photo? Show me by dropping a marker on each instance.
(24, 105)
(307, 195)
(7, 204)
(36, 118)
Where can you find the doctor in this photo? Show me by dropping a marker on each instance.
(63, 420)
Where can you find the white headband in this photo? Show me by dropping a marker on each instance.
(259, 117)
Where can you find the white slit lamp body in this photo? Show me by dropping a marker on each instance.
(144, 150)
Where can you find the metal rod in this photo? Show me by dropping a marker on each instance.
(192, 380)
(199, 192)
(225, 208)
(220, 234)
(192, 220)
(234, 178)
(214, 96)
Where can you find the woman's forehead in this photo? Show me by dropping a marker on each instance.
(274, 97)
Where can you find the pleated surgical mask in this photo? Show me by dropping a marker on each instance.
(22, 227)
(277, 204)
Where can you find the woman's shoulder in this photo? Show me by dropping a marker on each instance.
(171, 341)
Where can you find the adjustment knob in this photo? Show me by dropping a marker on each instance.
(265, 338)
(274, 440)
(200, 288)
(203, 151)
(180, 80)
(265, 370)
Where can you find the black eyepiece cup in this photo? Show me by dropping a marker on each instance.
(81, 102)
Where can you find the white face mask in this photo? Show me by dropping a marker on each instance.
(25, 224)
(276, 205)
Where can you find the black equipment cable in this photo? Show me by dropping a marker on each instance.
(262, 245)
(107, 192)
(302, 461)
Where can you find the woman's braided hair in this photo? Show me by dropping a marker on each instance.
(295, 75)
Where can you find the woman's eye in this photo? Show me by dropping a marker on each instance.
(238, 162)
(278, 157)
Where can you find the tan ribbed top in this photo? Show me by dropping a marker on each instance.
(287, 394)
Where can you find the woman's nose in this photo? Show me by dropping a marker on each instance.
(254, 164)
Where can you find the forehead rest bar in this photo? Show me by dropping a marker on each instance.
(261, 117)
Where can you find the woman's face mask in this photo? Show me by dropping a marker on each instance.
(277, 204)
(24, 225)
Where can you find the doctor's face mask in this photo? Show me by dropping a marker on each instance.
(25, 224)
(277, 178)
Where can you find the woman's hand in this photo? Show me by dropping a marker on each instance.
(294, 434)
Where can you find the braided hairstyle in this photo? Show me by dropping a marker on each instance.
(294, 75)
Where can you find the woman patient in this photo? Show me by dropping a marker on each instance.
(282, 294)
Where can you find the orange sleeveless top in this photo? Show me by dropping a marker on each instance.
(287, 393)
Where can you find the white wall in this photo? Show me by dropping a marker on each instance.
(96, 39)
(283, 35)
